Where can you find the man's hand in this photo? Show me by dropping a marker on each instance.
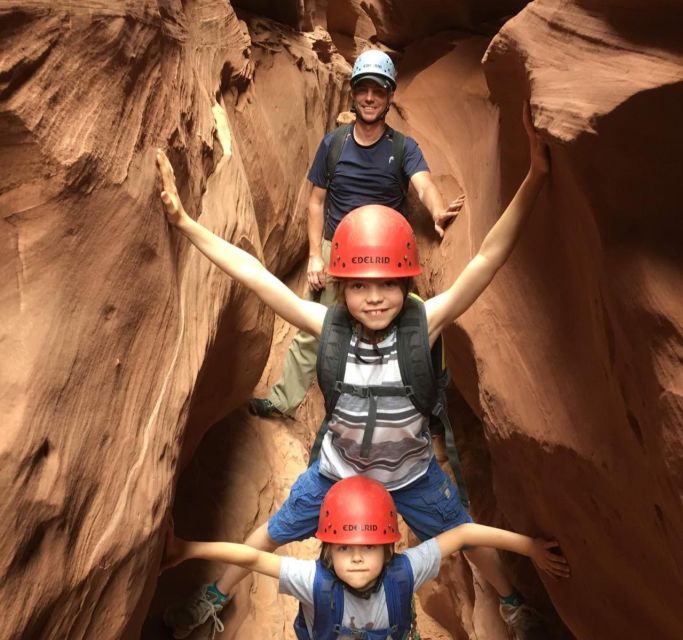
(316, 273)
(445, 217)
(169, 194)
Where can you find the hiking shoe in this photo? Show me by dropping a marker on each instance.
(264, 408)
(524, 621)
(201, 606)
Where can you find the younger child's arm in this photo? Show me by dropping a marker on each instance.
(178, 550)
(238, 264)
(497, 245)
(477, 535)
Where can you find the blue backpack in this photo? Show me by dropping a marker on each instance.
(328, 604)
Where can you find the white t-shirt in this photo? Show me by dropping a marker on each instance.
(297, 576)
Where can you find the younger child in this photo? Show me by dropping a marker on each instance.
(360, 584)
(374, 428)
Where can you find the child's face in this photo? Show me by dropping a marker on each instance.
(358, 565)
(374, 302)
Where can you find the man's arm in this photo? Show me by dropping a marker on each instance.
(238, 264)
(316, 220)
(477, 535)
(430, 197)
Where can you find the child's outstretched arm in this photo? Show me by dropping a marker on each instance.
(238, 264)
(540, 551)
(497, 245)
(242, 555)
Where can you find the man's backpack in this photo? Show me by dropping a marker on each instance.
(423, 372)
(341, 135)
(328, 604)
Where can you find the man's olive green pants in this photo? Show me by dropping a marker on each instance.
(299, 368)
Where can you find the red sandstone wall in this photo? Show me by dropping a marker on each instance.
(120, 346)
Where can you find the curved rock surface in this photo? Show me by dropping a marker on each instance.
(121, 346)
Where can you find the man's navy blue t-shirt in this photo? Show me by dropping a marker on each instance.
(363, 175)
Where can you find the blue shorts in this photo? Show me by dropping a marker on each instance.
(430, 505)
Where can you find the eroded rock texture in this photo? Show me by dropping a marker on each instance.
(121, 346)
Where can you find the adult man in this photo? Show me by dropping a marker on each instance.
(364, 173)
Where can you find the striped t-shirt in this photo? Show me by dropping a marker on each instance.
(401, 445)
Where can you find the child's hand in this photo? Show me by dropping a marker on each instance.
(169, 194)
(540, 157)
(174, 549)
(546, 555)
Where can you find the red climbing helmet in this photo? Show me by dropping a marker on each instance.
(374, 241)
(358, 510)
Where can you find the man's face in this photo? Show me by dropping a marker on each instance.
(371, 100)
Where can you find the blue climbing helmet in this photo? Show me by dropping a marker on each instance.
(377, 66)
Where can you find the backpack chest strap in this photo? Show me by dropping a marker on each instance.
(378, 391)
(371, 392)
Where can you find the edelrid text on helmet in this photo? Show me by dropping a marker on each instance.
(358, 510)
(374, 241)
(376, 65)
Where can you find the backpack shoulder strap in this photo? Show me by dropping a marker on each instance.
(424, 372)
(335, 338)
(398, 589)
(414, 355)
(339, 137)
(399, 146)
(330, 365)
(328, 604)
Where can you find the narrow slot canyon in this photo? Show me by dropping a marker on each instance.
(128, 358)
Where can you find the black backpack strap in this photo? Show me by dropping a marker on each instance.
(414, 356)
(318, 442)
(441, 413)
(330, 366)
(339, 137)
(424, 372)
(398, 141)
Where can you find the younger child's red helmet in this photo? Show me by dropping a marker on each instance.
(358, 510)
(374, 241)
